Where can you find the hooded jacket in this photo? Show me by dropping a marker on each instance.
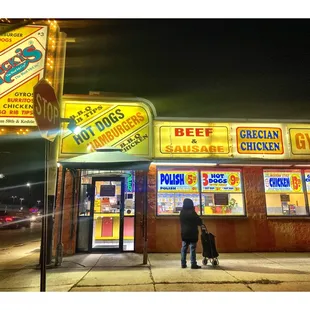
(190, 221)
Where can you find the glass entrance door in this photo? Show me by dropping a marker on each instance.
(108, 214)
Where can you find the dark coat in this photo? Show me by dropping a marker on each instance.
(190, 221)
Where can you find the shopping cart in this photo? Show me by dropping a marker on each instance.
(209, 251)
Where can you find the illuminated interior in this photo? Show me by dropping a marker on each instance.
(220, 191)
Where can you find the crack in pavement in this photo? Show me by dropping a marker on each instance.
(151, 274)
(76, 284)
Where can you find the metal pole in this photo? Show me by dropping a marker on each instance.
(145, 217)
(44, 224)
(59, 250)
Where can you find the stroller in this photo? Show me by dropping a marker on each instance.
(209, 251)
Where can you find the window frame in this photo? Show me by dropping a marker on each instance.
(199, 169)
(304, 192)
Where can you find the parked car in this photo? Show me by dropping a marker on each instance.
(13, 220)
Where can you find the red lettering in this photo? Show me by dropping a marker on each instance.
(199, 132)
(189, 132)
(178, 132)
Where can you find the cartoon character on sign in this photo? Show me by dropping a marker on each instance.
(296, 182)
(234, 179)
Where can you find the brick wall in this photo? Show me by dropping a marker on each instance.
(69, 234)
(253, 233)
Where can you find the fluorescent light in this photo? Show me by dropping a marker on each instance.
(256, 165)
(301, 165)
(182, 164)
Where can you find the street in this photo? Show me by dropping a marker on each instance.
(16, 237)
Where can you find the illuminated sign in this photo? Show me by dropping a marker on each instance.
(283, 181)
(221, 181)
(177, 181)
(22, 61)
(300, 140)
(259, 140)
(175, 139)
(307, 179)
(103, 123)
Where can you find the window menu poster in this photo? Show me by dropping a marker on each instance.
(177, 181)
(283, 181)
(221, 181)
(307, 179)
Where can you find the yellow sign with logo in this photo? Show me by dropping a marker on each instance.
(103, 123)
(299, 139)
(176, 139)
(22, 65)
(259, 140)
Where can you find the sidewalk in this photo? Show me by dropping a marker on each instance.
(124, 272)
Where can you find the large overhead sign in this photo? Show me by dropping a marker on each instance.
(22, 64)
(173, 139)
(126, 125)
(176, 139)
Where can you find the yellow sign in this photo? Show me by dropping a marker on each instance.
(104, 123)
(22, 65)
(259, 140)
(177, 181)
(221, 181)
(175, 139)
(300, 139)
(284, 181)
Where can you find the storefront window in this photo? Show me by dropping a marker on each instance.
(284, 192)
(221, 192)
(173, 186)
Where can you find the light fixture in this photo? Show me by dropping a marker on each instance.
(183, 164)
(28, 184)
(58, 165)
(302, 165)
(1, 176)
(72, 126)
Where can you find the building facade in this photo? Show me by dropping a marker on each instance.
(249, 180)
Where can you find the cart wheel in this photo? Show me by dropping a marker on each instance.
(205, 261)
(215, 262)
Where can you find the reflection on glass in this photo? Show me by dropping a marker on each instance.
(107, 214)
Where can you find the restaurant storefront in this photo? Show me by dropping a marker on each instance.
(250, 181)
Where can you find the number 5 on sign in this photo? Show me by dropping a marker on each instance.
(190, 179)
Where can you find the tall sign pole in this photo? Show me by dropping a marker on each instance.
(46, 111)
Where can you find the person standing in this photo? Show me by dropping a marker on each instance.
(190, 221)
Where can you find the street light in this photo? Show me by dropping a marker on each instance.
(21, 201)
(72, 126)
(14, 197)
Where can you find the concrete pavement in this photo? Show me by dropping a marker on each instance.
(238, 272)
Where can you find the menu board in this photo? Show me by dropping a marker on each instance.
(177, 181)
(307, 179)
(288, 181)
(221, 181)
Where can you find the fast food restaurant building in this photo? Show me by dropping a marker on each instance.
(249, 179)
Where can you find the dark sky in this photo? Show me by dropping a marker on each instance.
(194, 68)
(205, 67)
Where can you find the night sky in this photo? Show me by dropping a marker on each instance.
(252, 68)
(199, 68)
